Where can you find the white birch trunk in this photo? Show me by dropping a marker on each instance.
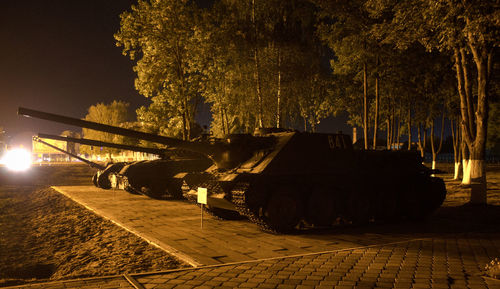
(457, 170)
(466, 172)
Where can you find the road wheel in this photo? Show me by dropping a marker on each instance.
(103, 181)
(283, 212)
(359, 210)
(321, 209)
(94, 180)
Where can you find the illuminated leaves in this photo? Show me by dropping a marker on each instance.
(160, 37)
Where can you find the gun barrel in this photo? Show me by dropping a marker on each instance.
(90, 163)
(171, 142)
(102, 144)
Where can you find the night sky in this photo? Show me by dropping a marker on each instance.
(60, 56)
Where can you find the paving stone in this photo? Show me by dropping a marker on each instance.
(183, 286)
(165, 286)
(292, 281)
(267, 286)
(248, 285)
(285, 286)
(426, 263)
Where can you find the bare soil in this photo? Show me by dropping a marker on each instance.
(46, 236)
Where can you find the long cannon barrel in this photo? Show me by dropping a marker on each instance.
(206, 149)
(97, 143)
(90, 163)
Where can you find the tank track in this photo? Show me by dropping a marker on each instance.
(239, 199)
(211, 186)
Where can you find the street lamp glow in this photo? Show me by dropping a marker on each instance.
(17, 159)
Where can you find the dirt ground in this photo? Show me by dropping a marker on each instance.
(46, 236)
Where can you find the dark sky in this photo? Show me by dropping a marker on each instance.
(60, 56)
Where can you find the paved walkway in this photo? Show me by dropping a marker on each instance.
(175, 227)
(448, 262)
(229, 254)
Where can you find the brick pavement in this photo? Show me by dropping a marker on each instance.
(175, 227)
(445, 262)
(229, 254)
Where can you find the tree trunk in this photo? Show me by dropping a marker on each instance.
(433, 149)
(184, 127)
(226, 120)
(455, 135)
(474, 125)
(222, 120)
(478, 148)
(421, 144)
(399, 130)
(260, 117)
(409, 127)
(365, 106)
(377, 99)
(467, 87)
(465, 163)
(388, 133)
(278, 93)
(393, 126)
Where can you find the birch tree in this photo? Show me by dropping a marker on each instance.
(468, 30)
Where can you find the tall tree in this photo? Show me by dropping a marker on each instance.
(159, 35)
(262, 64)
(116, 114)
(345, 28)
(468, 30)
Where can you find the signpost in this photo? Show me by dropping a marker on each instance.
(202, 199)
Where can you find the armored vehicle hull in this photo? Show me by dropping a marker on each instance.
(318, 180)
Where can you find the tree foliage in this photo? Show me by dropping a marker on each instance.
(160, 36)
(391, 65)
(115, 114)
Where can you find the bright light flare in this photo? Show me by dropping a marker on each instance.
(17, 159)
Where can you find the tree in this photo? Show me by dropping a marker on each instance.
(345, 29)
(115, 114)
(261, 65)
(160, 36)
(71, 146)
(160, 118)
(468, 30)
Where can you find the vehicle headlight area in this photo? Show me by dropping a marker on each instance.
(17, 159)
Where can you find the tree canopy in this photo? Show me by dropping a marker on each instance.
(391, 65)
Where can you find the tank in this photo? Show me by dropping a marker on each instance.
(153, 178)
(285, 180)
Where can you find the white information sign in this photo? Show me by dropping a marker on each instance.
(202, 196)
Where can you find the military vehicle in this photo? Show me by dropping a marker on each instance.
(153, 178)
(283, 180)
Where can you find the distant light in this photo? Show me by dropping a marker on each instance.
(17, 160)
